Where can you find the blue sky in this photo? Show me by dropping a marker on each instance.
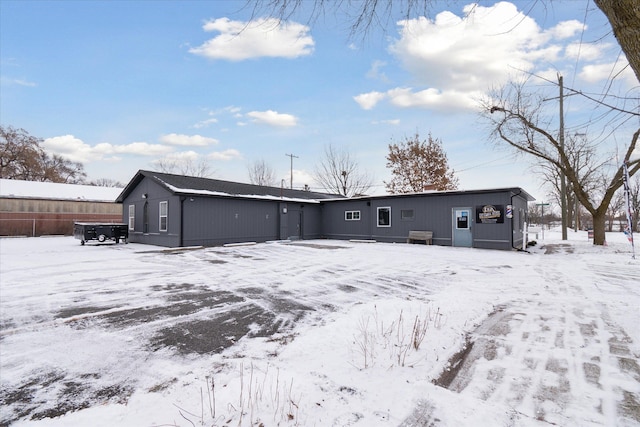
(120, 85)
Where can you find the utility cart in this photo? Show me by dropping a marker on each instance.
(85, 231)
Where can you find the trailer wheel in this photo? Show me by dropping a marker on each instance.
(82, 242)
(102, 238)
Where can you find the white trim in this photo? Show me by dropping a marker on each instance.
(378, 216)
(165, 216)
(132, 217)
(354, 214)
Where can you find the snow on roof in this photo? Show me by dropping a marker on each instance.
(244, 196)
(13, 188)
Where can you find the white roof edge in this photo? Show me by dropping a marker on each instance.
(20, 189)
(242, 196)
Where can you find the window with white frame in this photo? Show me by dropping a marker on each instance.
(132, 217)
(384, 216)
(352, 215)
(163, 216)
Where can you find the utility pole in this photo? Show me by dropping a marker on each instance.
(292, 157)
(563, 184)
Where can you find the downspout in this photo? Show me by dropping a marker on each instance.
(523, 249)
(181, 240)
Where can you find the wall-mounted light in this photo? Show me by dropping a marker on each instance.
(191, 199)
(145, 195)
(284, 210)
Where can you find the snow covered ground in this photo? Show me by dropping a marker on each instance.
(319, 333)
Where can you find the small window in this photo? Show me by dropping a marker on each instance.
(352, 215)
(462, 220)
(384, 217)
(406, 214)
(132, 217)
(163, 216)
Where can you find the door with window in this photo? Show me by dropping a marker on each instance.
(462, 227)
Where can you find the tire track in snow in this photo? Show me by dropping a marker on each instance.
(550, 355)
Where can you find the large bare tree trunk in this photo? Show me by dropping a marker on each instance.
(599, 228)
(624, 17)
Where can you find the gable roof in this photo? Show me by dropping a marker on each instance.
(192, 186)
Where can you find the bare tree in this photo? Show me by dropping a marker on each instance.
(20, 154)
(615, 209)
(339, 173)
(187, 167)
(260, 173)
(107, 182)
(22, 157)
(419, 166)
(58, 169)
(623, 16)
(589, 171)
(516, 118)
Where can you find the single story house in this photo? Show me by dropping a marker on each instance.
(175, 211)
(34, 208)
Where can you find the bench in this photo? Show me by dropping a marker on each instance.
(534, 230)
(426, 236)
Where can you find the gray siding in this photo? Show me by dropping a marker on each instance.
(432, 212)
(148, 231)
(211, 221)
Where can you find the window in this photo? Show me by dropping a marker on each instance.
(132, 217)
(384, 217)
(462, 219)
(163, 216)
(406, 214)
(352, 215)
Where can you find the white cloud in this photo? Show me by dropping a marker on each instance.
(225, 155)
(453, 59)
(433, 98)
(76, 150)
(9, 81)
(375, 71)
(24, 82)
(369, 100)
(300, 178)
(179, 157)
(273, 118)
(394, 122)
(264, 37)
(186, 140)
(599, 72)
(566, 29)
(584, 51)
(72, 148)
(136, 148)
(205, 123)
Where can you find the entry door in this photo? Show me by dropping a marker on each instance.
(294, 224)
(462, 227)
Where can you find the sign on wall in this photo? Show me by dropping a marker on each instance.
(490, 214)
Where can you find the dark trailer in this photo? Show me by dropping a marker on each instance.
(85, 231)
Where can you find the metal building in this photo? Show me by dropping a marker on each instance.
(174, 211)
(491, 219)
(33, 208)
